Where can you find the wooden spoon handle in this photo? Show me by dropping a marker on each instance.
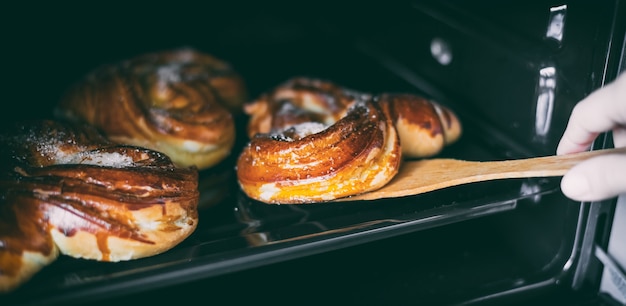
(417, 177)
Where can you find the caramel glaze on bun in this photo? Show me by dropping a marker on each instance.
(65, 189)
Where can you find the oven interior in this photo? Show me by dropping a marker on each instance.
(512, 82)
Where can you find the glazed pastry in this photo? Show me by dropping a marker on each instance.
(314, 141)
(65, 189)
(178, 102)
(425, 127)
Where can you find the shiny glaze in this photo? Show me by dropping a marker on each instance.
(40, 192)
(405, 106)
(22, 228)
(425, 127)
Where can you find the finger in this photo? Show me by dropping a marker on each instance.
(596, 179)
(601, 111)
(619, 137)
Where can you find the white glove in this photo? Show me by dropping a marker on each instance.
(602, 177)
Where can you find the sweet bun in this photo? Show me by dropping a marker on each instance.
(180, 102)
(313, 141)
(67, 190)
(425, 127)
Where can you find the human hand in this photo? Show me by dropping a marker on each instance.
(602, 177)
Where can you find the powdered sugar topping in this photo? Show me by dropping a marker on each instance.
(299, 131)
(308, 128)
(55, 151)
(105, 159)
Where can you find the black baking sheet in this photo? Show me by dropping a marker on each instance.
(236, 233)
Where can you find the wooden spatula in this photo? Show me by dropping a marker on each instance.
(417, 177)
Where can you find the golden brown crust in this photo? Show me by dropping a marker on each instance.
(314, 141)
(66, 189)
(425, 127)
(26, 245)
(289, 169)
(178, 102)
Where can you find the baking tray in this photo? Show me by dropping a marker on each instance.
(236, 233)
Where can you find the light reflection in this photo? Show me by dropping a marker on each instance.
(556, 23)
(441, 51)
(545, 100)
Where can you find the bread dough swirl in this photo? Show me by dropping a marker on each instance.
(178, 102)
(314, 141)
(65, 189)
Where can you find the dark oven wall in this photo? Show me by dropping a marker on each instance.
(517, 66)
(52, 46)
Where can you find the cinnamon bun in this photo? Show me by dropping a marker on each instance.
(65, 189)
(314, 141)
(178, 102)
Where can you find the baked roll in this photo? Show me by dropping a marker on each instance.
(178, 102)
(314, 141)
(65, 189)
